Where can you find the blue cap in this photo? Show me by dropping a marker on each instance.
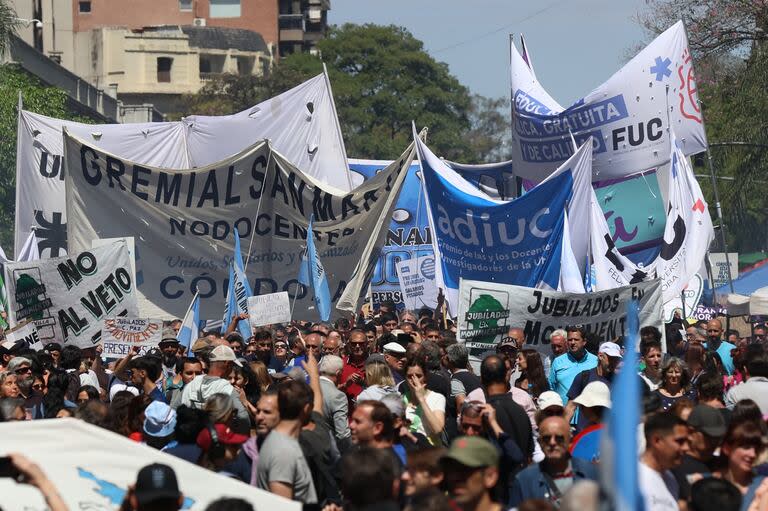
(160, 419)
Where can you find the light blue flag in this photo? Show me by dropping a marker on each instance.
(238, 293)
(229, 302)
(619, 457)
(189, 331)
(311, 269)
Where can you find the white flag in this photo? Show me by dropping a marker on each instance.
(687, 236)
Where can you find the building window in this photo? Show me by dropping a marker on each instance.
(245, 65)
(164, 65)
(185, 5)
(84, 6)
(225, 8)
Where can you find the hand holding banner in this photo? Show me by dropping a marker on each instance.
(120, 335)
(269, 309)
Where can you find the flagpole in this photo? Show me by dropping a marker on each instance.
(296, 294)
(258, 208)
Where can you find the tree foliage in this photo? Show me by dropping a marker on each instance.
(37, 98)
(382, 80)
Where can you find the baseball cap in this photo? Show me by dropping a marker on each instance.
(549, 398)
(225, 434)
(473, 452)
(611, 349)
(394, 347)
(156, 482)
(159, 419)
(708, 420)
(169, 336)
(596, 393)
(224, 353)
(507, 343)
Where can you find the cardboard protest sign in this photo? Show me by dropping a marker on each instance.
(68, 297)
(24, 332)
(269, 309)
(417, 282)
(487, 311)
(120, 335)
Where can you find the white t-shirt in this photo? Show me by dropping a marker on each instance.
(659, 491)
(413, 413)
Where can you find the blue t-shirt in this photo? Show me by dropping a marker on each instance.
(565, 368)
(724, 350)
(157, 395)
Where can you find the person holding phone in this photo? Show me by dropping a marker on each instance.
(25, 471)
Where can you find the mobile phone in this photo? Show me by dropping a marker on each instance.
(7, 469)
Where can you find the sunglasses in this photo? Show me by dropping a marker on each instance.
(38, 386)
(559, 439)
(280, 346)
(23, 370)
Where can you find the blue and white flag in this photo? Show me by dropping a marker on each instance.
(190, 325)
(312, 274)
(624, 116)
(618, 452)
(508, 242)
(238, 292)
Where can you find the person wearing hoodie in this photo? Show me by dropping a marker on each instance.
(196, 392)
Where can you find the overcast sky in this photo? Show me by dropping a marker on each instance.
(575, 45)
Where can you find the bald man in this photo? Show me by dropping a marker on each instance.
(558, 468)
(716, 343)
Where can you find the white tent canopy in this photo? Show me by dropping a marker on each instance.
(755, 304)
(92, 467)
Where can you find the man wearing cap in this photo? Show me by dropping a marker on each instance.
(221, 360)
(552, 477)
(159, 425)
(470, 469)
(169, 346)
(706, 428)
(608, 359)
(593, 401)
(229, 445)
(394, 356)
(567, 366)
(156, 489)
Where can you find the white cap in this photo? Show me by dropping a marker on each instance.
(224, 353)
(117, 387)
(394, 347)
(595, 393)
(549, 398)
(611, 349)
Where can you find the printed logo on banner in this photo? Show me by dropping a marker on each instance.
(486, 319)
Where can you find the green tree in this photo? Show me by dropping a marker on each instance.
(382, 80)
(37, 98)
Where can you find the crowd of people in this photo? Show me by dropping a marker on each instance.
(391, 412)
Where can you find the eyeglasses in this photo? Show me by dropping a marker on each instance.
(38, 386)
(23, 370)
(281, 346)
(313, 347)
(559, 439)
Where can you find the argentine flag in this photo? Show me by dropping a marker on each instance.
(189, 331)
(238, 292)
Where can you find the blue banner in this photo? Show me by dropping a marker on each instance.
(517, 242)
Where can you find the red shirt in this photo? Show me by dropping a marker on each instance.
(353, 389)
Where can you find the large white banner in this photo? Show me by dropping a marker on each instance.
(301, 124)
(626, 116)
(487, 311)
(68, 297)
(183, 221)
(92, 469)
(687, 236)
